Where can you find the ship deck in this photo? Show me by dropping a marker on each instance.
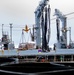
(16, 52)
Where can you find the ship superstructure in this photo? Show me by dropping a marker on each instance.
(6, 42)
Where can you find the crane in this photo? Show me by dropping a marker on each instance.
(62, 41)
(38, 13)
(45, 24)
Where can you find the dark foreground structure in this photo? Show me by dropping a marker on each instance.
(36, 69)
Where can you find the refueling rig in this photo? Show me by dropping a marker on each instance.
(62, 42)
(42, 19)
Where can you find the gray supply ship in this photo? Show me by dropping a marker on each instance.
(37, 56)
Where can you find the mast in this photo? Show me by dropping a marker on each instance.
(22, 36)
(69, 35)
(2, 29)
(11, 32)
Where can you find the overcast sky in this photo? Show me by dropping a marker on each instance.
(21, 12)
